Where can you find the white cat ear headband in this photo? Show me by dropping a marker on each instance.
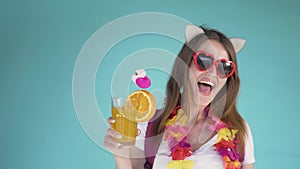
(192, 30)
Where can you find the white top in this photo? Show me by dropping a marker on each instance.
(205, 157)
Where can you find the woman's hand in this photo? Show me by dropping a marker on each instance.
(125, 157)
(111, 141)
(121, 154)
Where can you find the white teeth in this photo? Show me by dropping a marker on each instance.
(209, 83)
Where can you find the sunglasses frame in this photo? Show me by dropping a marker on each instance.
(215, 62)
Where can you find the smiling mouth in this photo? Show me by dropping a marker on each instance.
(205, 87)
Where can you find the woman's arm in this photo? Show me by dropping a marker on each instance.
(137, 158)
(121, 154)
(132, 158)
(248, 166)
(123, 162)
(125, 157)
(249, 158)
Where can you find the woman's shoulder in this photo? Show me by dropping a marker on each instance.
(249, 146)
(248, 129)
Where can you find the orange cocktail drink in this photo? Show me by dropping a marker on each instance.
(122, 112)
(139, 106)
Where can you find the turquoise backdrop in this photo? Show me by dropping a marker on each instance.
(41, 40)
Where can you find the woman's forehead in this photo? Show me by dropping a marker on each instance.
(215, 48)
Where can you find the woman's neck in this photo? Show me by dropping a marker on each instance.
(201, 113)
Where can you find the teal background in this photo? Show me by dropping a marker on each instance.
(40, 42)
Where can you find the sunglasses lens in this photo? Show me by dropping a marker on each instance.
(225, 68)
(204, 62)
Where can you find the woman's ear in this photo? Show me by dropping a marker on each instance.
(238, 44)
(191, 31)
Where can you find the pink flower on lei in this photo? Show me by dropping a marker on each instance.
(176, 131)
(217, 125)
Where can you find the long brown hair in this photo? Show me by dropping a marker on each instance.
(227, 96)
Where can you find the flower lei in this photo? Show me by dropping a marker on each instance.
(226, 144)
(175, 135)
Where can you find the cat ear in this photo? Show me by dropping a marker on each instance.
(238, 44)
(191, 31)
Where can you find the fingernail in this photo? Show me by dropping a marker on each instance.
(119, 145)
(112, 120)
(118, 135)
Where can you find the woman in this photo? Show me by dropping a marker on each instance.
(204, 87)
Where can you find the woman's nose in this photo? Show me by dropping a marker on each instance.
(212, 69)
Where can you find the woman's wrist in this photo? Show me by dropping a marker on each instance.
(123, 162)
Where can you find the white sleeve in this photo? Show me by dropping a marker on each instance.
(140, 139)
(249, 148)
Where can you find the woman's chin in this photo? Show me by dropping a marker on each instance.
(204, 100)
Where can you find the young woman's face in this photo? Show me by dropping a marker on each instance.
(208, 82)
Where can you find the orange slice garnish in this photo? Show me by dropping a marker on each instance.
(143, 104)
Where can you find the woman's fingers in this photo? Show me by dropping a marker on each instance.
(112, 144)
(110, 138)
(111, 120)
(113, 133)
(111, 141)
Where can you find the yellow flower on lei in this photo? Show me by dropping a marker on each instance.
(181, 164)
(226, 134)
(179, 118)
